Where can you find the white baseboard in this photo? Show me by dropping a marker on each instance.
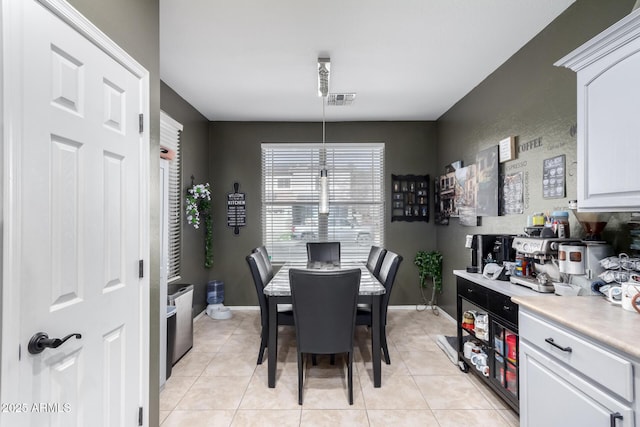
(443, 313)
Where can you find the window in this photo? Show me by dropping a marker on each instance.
(356, 198)
(170, 138)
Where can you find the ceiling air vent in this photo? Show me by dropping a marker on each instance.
(339, 99)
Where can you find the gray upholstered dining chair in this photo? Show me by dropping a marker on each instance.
(374, 261)
(261, 277)
(324, 309)
(323, 251)
(387, 277)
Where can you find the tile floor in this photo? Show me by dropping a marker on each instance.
(219, 384)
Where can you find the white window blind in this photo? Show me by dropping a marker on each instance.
(170, 131)
(290, 193)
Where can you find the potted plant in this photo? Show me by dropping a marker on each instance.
(429, 265)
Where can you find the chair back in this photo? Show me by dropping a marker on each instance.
(323, 251)
(387, 277)
(266, 260)
(255, 260)
(374, 262)
(324, 309)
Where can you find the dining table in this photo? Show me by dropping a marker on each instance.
(278, 291)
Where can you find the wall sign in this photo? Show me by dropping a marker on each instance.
(236, 209)
(507, 149)
(553, 177)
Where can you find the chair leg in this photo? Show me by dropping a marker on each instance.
(385, 349)
(300, 377)
(314, 360)
(263, 346)
(350, 379)
(333, 359)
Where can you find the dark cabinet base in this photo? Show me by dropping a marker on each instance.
(500, 344)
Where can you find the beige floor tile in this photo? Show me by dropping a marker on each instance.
(287, 363)
(333, 418)
(406, 326)
(457, 418)
(259, 396)
(250, 325)
(397, 392)
(163, 416)
(365, 367)
(511, 417)
(209, 340)
(225, 364)
(267, 418)
(421, 363)
(451, 392)
(324, 392)
(406, 342)
(215, 393)
(493, 398)
(401, 418)
(174, 390)
(192, 364)
(219, 384)
(241, 343)
(200, 418)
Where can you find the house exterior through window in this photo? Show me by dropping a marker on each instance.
(290, 196)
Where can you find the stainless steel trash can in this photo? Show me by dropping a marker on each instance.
(182, 299)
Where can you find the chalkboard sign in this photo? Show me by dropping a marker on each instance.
(236, 209)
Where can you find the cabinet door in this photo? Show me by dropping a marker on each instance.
(550, 395)
(608, 129)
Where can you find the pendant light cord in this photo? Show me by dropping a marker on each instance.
(323, 123)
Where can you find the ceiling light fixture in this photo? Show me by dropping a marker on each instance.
(324, 65)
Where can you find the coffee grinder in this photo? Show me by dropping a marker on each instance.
(471, 242)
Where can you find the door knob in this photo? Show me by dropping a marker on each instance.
(41, 340)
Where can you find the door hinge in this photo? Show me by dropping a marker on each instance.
(140, 416)
(141, 269)
(141, 123)
(19, 352)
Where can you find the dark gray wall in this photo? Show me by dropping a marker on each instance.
(530, 98)
(134, 26)
(410, 148)
(194, 155)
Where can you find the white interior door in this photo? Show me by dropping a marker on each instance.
(76, 227)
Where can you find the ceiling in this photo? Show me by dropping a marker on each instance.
(256, 60)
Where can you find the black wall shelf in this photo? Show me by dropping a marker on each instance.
(410, 198)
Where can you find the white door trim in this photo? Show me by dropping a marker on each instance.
(10, 217)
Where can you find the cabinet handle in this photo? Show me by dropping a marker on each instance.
(506, 307)
(550, 341)
(470, 290)
(613, 417)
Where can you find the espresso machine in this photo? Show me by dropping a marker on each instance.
(537, 262)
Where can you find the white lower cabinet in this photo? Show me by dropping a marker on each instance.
(554, 393)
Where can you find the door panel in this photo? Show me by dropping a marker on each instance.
(79, 234)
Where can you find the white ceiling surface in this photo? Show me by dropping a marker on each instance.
(256, 60)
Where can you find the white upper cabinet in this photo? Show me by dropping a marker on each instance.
(608, 75)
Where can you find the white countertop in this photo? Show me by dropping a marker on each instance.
(504, 287)
(591, 316)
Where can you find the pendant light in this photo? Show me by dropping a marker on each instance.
(323, 89)
(324, 178)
